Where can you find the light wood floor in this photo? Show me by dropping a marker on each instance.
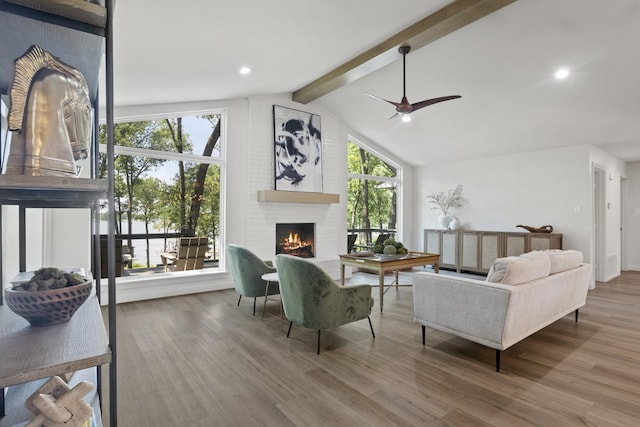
(201, 361)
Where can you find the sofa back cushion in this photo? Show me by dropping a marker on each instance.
(516, 270)
(564, 260)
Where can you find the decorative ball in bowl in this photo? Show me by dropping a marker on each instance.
(390, 249)
(51, 296)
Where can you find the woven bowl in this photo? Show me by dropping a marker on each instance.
(43, 308)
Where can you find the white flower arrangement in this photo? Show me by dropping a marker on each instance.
(444, 202)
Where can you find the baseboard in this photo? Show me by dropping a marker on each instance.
(189, 282)
(612, 276)
(167, 285)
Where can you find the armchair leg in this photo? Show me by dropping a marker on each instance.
(289, 331)
(576, 315)
(498, 353)
(318, 341)
(239, 301)
(254, 306)
(371, 326)
(424, 330)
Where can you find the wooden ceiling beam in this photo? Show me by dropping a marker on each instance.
(450, 18)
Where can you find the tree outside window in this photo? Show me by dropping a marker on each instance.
(372, 195)
(167, 183)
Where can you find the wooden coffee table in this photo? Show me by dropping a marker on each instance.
(382, 265)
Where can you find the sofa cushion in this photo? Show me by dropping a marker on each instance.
(564, 260)
(516, 270)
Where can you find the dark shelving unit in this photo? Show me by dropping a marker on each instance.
(80, 34)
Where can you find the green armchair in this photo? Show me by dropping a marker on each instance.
(247, 270)
(311, 298)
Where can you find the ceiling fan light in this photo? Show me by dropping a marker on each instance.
(406, 118)
(562, 73)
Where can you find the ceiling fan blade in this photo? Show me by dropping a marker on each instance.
(427, 102)
(404, 107)
(383, 100)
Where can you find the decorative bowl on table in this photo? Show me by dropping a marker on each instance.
(49, 303)
(389, 257)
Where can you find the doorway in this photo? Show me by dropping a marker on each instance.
(599, 204)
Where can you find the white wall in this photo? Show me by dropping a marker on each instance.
(330, 219)
(536, 188)
(10, 246)
(632, 216)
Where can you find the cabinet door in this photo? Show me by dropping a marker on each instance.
(469, 251)
(515, 244)
(449, 247)
(432, 241)
(542, 241)
(490, 249)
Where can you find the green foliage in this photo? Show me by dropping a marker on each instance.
(143, 197)
(370, 203)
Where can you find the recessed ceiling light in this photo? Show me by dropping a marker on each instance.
(245, 70)
(562, 73)
(406, 118)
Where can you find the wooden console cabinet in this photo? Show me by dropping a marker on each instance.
(475, 251)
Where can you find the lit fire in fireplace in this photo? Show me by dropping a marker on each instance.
(293, 243)
(296, 240)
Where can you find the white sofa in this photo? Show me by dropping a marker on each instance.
(520, 296)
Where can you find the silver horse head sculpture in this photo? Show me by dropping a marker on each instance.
(50, 116)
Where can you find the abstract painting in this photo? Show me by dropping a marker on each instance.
(298, 150)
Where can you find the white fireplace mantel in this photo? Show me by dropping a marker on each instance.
(297, 197)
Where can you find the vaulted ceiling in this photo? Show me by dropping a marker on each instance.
(503, 65)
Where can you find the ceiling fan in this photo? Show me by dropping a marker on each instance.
(404, 107)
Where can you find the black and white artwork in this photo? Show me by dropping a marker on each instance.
(298, 150)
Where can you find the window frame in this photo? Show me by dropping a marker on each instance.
(220, 161)
(397, 180)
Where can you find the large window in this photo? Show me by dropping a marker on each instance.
(373, 187)
(167, 188)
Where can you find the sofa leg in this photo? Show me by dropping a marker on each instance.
(254, 306)
(239, 301)
(371, 326)
(318, 341)
(576, 315)
(424, 329)
(498, 352)
(289, 331)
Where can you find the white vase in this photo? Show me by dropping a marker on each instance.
(455, 224)
(444, 220)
